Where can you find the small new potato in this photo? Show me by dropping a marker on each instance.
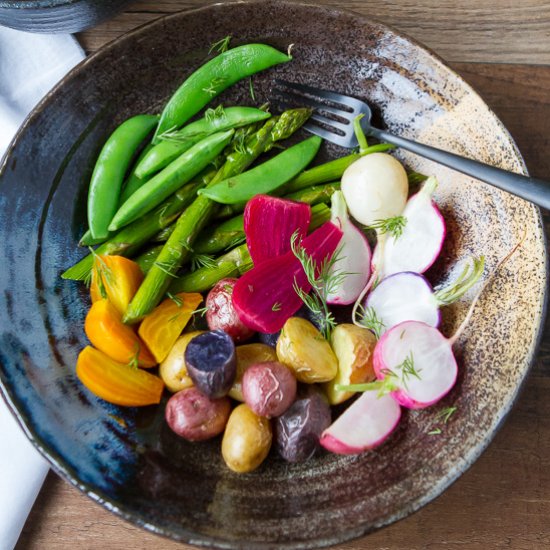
(248, 355)
(173, 369)
(269, 388)
(246, 441)
(302, 348)
(221, 314)
(194, 416)
(354, 348)
(375, 188)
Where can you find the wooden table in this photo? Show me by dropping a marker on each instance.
(502, 48)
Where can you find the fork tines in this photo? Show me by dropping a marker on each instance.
(333, 112)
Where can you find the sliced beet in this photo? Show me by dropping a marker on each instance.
(212, 362)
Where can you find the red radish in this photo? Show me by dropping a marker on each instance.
(409, 297)
(354, 256)
(364, 425)
(417, 362)
(420, 241)
(270, 222)
(265, 298)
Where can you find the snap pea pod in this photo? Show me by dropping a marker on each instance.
(179, 246)
(177, 173)
(212, 78)
(266, 177)
(133, 183)
(331, 170)
(110, 169)
(175, 144)
(235, 262)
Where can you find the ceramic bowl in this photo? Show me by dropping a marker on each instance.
(54, 16)
(126, 459)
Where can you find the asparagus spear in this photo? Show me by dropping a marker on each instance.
(178, 248)
(128, 240)
(234, 263)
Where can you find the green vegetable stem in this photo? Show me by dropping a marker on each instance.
(209, 80)
(110, 169)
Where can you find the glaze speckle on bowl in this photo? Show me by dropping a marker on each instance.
(128, 460)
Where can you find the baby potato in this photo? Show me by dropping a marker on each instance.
(354, 348)
(173, 370)
(196, 417)
(248, 355)
(302, 348)
(246, 441)
(269, 388)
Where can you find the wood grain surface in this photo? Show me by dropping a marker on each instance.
(502, 48)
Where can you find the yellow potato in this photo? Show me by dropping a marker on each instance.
(302, 348)
(246, 440)
(249, 355)
(173, 370)
(354, 347)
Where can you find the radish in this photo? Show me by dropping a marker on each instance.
(270, 222)
(417, 245)
(409, 297)
(362, 426)
(354, 256)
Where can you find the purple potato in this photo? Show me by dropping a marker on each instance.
(269, 388)
(195, 417)
(299, 429)
(212, 362)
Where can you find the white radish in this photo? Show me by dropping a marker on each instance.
(416, 247)
(351, 270)
(417, 362)
(375, 188)
(364, 425)
(409, 297)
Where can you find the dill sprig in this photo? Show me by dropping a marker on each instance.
(404, 371)
(251, 88)
(176, 299)
(104, 274)
(324, 280)
(165, 267)
(443, 416)
(236, 241)
(214, 114)
(212, 88)
(202, 260)
(276, 306)
(201, 311)
(220, 46)
(393, 226)
(134, 361)
(469, 276)
(368, 318)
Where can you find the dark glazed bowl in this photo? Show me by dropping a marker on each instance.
(56, 16)
(126, 459)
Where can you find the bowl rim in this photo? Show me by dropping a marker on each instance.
(36, 4)
(200, 540)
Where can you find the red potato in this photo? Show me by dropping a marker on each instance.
(269, 388)
(221, 314)
(195, 417)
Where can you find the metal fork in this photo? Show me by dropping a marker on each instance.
(336, 113)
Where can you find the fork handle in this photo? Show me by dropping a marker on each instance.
(531, 189)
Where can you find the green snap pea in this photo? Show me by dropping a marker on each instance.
(110, 169)
(166, 182)
(266, 177)
(176, 143)
(212, 78)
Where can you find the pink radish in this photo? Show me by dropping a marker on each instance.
(265, 297)
(270, 222)
(354, 256)
(417, 362)
(420, 241)
(364, 425)
(409, 297)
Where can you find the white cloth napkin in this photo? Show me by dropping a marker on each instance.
(30, 64)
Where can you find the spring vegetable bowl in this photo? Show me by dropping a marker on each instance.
(154, 464)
